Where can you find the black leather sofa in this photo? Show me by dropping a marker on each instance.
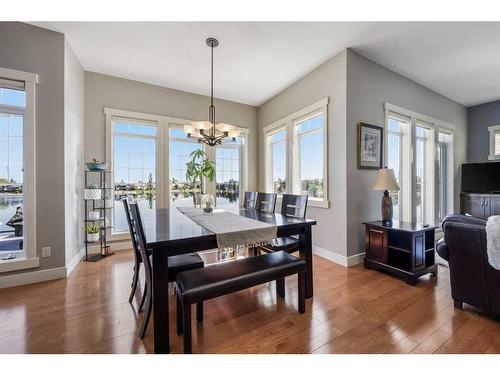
(473, 280)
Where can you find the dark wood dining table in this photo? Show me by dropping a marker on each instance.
(169, 232)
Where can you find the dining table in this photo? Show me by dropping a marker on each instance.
(169, 232)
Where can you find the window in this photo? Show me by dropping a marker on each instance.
(148, 154)
(309, 135)
(277, 145)
(445, 174)
(17, 170)
(420, 150)
(494, 142)
(228, 167)
(134, 173)
(181, 193)
(296, 161)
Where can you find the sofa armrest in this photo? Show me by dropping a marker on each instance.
(442, 249)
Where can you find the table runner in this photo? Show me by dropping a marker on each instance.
(232, 230)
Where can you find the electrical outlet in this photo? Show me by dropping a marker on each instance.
(45, 252)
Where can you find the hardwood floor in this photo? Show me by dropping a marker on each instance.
(354, 310)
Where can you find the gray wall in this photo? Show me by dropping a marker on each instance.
(73, 151)
(328, 80)
(107, 91)
(32, 49)
(480, 117)
(369, 86)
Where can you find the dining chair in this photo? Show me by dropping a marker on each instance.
(176, 264)
(137, 253)
(265, 202)
(294, 206)
(249, 199)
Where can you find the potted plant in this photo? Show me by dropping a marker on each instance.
(96, 165)
(199, 167)
(92, 192)
(93, 232)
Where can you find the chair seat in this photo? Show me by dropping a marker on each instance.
(289, 244)
(220, 279)
(184, 262)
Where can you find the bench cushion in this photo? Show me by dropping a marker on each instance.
(220, 279)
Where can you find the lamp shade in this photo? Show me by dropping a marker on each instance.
(224, 127)
(386, 180)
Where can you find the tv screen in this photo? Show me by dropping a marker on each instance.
(481, 177)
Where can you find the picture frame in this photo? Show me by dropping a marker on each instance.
(370, 146)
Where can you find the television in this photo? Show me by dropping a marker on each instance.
(481, 177)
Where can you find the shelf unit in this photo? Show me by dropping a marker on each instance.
(98, 178)
(403, 249)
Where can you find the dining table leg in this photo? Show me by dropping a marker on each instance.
(160, 301)
(305, 252)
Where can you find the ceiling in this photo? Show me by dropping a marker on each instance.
(257, 60)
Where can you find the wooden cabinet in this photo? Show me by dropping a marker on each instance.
(404, 249)
(480, 205)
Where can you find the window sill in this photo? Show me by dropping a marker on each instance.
(19, 264)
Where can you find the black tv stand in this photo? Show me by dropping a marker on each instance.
(480, 205)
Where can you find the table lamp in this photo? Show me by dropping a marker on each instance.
(386, 181)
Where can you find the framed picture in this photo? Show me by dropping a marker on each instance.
(370, 146)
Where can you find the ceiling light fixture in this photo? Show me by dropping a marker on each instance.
(209, 132)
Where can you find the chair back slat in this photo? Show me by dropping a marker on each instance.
(249, 199)
(131, 228)
(294, 205)
(265, 202)
(141, 238)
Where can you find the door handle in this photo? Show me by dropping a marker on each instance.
(486, 203)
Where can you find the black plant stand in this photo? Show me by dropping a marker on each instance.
(98, 205)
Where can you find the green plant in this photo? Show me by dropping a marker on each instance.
(198, 167)
(92, 186)
(93, 228)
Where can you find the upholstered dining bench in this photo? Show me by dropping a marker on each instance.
(219, 279)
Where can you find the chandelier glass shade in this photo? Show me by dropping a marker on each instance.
(209, 132)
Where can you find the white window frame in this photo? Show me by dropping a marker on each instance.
(29, 166)
(164, 123)
(290, 123)
(408, 203)
(269, 157)
(493, 130)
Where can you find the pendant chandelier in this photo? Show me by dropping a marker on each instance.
(209, 132)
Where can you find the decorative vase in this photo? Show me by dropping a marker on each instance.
(197, 199)
(207, 203)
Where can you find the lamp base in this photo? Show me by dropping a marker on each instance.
(386, 209)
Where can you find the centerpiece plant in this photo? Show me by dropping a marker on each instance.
(198, 168)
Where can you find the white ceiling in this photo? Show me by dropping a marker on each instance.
(256, 60)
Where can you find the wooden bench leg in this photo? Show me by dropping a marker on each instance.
(179, 315)
(199, 312)
(186, 327)
(280, 288)
(301, 291)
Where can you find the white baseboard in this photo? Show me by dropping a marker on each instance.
(338, 258)
(74, 262)
(32, 277)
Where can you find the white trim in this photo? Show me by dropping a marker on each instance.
(29, 167)
(118, 245)
(493, 130)
(294, 116)
(70, 267)
(16, 265)
(32, 277)
(419, 116)
(18, 75)
(338, 258)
